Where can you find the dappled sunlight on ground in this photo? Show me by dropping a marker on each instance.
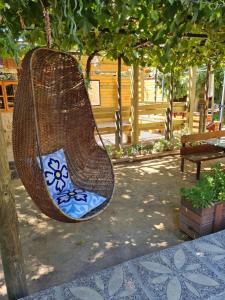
(142, 218)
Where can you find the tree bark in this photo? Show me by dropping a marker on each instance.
(10, 245)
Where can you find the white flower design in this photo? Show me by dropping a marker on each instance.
(116, 282)
(172, 275)
(215, 251)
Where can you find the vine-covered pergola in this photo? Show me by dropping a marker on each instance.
(172, 35)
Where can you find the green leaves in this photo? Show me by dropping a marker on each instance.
(154, 15)
(208, 190)
(156, 32)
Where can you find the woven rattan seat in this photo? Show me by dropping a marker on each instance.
(52, 112)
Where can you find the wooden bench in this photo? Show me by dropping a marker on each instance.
(203, 152)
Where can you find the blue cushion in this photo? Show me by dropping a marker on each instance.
(70, 199)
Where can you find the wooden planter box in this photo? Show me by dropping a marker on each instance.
(197, 222)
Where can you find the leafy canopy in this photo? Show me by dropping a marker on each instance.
(169, 34)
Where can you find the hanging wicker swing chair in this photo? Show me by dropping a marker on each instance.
(67, 174)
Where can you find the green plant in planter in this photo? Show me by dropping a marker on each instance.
(148, 148)
(119, 153)
(161, 146)
(134, 150)
(109, 149)
(208, 190)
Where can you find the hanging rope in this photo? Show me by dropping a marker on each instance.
(47, 25)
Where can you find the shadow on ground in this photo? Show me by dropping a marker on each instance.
(142, 218)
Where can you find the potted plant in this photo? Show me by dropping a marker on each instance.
(202, 208)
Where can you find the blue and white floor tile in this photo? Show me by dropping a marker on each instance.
(192, 270)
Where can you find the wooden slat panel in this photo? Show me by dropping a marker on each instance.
(202, 136)
(152, 112)
(109, 109)
(159, 111)
(151, 126)
(110, 116)
(200, 149)
(179, 109)
(180, 104)
(110, 130)
(8, 82)
(195, 217)
(161, 105)
(160, 125)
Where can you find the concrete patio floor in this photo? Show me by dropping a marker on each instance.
(142, 218)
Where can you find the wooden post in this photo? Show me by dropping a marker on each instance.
(118, 130)
(134, 105)
(163, 87)
(211, 91)
(191, 96)
(156, 86)
(10, 246)
(222, 102)
(206, 96)
(204, 108)
(218, 217)
(201, 105)
(5, 98)
(169, 113)
(119, 123)
(141, 85)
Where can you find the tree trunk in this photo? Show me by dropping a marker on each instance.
(11, 251)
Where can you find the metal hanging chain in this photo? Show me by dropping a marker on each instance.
(47, 25)
(35, 111)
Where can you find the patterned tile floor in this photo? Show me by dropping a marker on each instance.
(192, 270)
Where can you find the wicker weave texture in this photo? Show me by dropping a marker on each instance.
(53, 111)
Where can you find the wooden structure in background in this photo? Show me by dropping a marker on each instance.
(122, 109)
(148, 117)
(203, 152)
(107, 71)
(7, 94)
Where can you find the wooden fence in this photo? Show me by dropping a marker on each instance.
(150, 117)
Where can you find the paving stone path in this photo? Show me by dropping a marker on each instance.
(191, 270)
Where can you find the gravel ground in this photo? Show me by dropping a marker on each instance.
(142, 218)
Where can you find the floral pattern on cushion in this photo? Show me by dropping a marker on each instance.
(71, 200)
(77, 202)
(67, 196)
(56, 172)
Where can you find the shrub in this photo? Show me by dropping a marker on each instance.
(119, 153)
(109, 149)
(162, 145)
(208, 190)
